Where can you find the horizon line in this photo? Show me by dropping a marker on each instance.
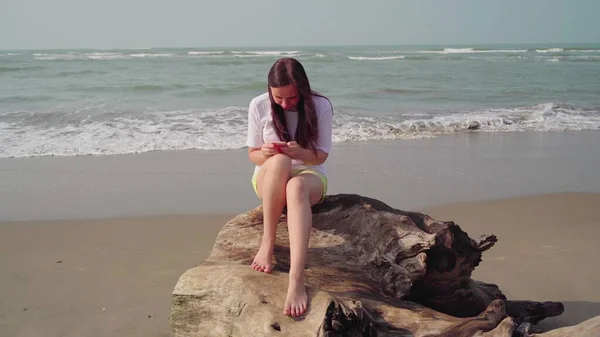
(464, 45)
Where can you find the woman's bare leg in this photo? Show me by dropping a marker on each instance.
(271, 181)
(302, 192)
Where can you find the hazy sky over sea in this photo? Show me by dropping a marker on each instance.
(38, 24)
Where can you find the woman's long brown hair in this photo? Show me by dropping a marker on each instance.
(286, 71)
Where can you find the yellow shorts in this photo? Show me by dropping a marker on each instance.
(296, 172)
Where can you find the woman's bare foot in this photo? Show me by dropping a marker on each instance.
(263, 261)
(296, 301)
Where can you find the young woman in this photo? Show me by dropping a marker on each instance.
(289, 139)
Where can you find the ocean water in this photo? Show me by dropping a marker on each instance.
(100, 102)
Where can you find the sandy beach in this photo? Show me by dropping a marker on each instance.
(93, 246)
(109, 277)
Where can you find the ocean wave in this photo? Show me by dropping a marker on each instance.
(266, 53)
(584, 58)
(21, 136)
(250, 86)
(375, 58)
(77, 73)
(224, 56)
(549, 58)
(26, 98)
(56, 57)
(151, 55)
(205, 53)
(105, 57)
(550, 50)
(253, 55)
(15, 69)
(319, 58)
(541, 118)
(121, 55)
(152, 131)
(566, 50)
(405, 91)
(102, 56)
(242, 54)
(471, 51)
(218, 61)
(75, 56)
(142, 87)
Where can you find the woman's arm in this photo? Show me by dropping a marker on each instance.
(310, 158)
(256, 156)
(255, 138)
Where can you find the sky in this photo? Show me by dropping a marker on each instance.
(49, 24)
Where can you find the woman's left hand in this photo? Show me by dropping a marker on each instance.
(294, 150)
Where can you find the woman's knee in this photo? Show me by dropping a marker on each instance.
(279, 161)
(296, 189)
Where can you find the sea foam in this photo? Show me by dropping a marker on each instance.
(225, 128)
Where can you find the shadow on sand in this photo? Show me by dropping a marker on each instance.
(575, 313)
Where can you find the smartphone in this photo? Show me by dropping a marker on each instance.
(279, 145)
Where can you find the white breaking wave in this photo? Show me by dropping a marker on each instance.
(226, 129)
(458, 50)
(549, 58)
(542, 117)
(205, 53)
(550, 50)
(102, 54)
(373, 58)
(272, 52)
(266, 53)
(504, 51)
(105, 56)
(471, 51)
(151, 55)
(95, 56)
(152, 131)
(52, 57)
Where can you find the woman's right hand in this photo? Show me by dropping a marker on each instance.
(268, 150)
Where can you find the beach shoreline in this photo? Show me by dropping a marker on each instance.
(410, 174)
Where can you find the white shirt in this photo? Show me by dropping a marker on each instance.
(262, 130)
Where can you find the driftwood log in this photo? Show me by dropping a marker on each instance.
(371, 271)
